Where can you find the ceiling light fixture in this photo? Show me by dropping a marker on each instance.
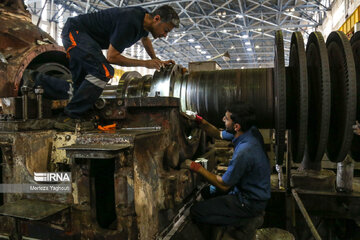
(225, 56)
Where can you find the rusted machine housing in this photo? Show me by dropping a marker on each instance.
(140, 169)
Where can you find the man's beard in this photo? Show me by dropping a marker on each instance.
(230, 130)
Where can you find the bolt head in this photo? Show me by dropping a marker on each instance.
(39, 90)
(108, 112)
(25, 89)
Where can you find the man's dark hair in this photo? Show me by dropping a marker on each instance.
(243, 114)
(167, 15)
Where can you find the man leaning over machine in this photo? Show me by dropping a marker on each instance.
(85, 36)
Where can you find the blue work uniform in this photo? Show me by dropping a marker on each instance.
(84, 37)
(248, 174)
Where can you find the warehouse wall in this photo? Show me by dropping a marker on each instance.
(340, 11)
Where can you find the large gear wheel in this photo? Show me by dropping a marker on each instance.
(343, 95)
(319, 97)
(355, 44)
(297, 97)
(280, 98)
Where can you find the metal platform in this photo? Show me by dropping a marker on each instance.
(31, 209)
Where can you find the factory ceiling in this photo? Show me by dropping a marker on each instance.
(244, 28)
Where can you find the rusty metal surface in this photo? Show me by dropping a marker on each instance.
(31, 209)
(323, 180)
(156, 189)
(273, 234)
(94, 151)
(22, 154)
(19, 44)
(109, 137)
(152, 102)
(113, 109)
(28, 125)
(60, 140)
(12, 108)
(145, 150)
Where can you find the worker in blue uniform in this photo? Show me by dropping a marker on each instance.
(85, 36)
(244, 189)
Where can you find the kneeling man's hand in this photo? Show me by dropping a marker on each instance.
(189, 164)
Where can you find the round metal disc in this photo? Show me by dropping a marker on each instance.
(355, 44)
(297, 97)
(280, 97)
(166, 82)
(319, 97)
(125, 79)
(343, 95)
(55, 70)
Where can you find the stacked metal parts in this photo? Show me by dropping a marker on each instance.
(315, 96)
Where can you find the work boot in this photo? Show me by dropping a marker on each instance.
(247, 230)
(29, 78)
(66, 123)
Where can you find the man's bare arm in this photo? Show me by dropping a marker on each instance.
(148, 47)
(150, 50)
(210, 129)
(213, 179)
(115, 57)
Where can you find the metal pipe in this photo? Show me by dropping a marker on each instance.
(306, 215)
(143, 128)
(25, 91)
(39, 92)
(209, 92)
(40, 15)
(345, 175)
(280, 176)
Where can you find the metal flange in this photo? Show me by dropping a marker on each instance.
(297, 97)
(343, 95)
(167, 82)
(280, 98)
(124, 82)
(319, 97)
